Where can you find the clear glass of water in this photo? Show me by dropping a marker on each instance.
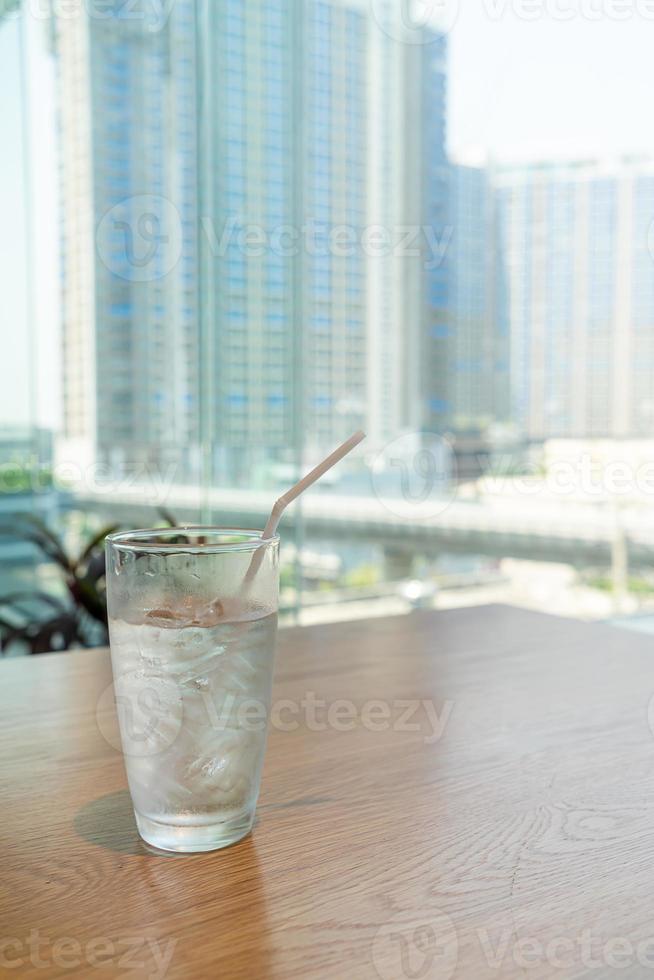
(192, 633)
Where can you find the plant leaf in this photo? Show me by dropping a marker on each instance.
(167, 516)
(42, 641)
(54, 601)
(86, 595)
(7, 625)
(95, 542)
(96, 568)
(47, 548)
(47, 540)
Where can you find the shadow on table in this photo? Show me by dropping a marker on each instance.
(109, 822)
(202, 913)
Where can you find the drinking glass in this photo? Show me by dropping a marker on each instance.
(192, 625)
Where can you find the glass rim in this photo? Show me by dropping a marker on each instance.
(139, 540)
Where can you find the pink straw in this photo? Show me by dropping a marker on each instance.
(282, 502)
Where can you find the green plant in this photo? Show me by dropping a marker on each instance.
(362, 577)
(636, 586)
(80, 619)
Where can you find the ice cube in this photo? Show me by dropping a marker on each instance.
(232, 756)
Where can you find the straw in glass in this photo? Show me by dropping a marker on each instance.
(292, 494)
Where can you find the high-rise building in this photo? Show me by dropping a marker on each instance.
(408, 199)
(222, 171)
(434, 209)
(127, 121)
(387, 313)
(477, 335)
(249, 183)
(286, 125)
(580, 269)
(336, 147)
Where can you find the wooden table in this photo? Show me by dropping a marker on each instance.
(518, 844)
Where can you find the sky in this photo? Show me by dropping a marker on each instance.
(523, 83)
(526, 89)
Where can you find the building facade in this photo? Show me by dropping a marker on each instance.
(226, 308)
(580, 272)
(435, 212)
(477, 329)
(283, 179)
(127, 111)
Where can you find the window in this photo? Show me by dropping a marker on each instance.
(510, 316)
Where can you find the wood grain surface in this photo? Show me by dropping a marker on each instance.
(519, 843)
